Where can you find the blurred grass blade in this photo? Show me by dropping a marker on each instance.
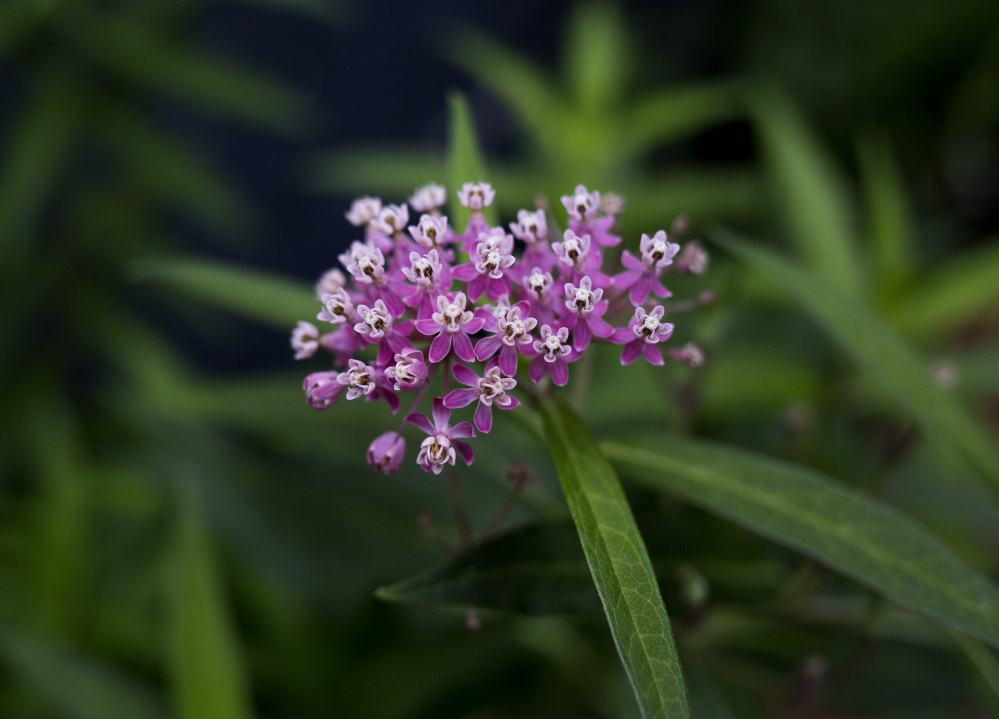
(464, 160)
(36, 156)
(219, 86)
(891, 233)
(208, 674)
(597, 56)
(666, 115)
(177, 175)
(985, 664)
(532, 570)
(620, 565)
(810, 192)
(879, 353)
(951, 294)
(74, 684)
(523, 87)
(268, 298)
(865, 539)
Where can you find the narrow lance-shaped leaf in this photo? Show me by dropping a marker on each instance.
(208, 674)
(619, 564)
(880, 354)
(464, 160)
(810, 192)
(263, 296)
(863, 538)
(597, 56)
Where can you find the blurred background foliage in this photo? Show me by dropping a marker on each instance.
(181, 536)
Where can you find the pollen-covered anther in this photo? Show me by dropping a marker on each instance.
(359, 379)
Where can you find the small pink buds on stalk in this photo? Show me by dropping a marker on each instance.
(403, 310)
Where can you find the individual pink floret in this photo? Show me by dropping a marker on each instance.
(304, 340)
(642, 275)
(439, 448)
(322, 390)
(585, 313)
(488, 390)
(451, 324)
(409, 371)
(486, 273)
(642, 336)
(553, 349)
(386, 453)
(512, 334)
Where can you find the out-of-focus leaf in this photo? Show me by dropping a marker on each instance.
(17, 22)
(810, 192)
(176, 175)
(672, 113)
(976, 371)
(36, 155)
(220, 86)
(533, 570)
(950, 294)
(620, 565)
(388, 172)
(597, 58)
(863, 538)
(266, 297)
(76, 685)
(464, 160)
(207, 669)
(734, 193)
(777, 381)
(890, 233)
(524, 88)
(888, 361)
(986, 666)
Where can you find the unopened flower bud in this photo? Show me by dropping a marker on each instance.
(386, 453)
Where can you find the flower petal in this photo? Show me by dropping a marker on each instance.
(486, 347)
(465, 375)
(462, 429)
(441, 415)
(440, 347)
(463, 346)
(420, 420)
(460, 398)
(483, 417)
(652, 354)
(560, 372)
(631, 351)
(465, 450)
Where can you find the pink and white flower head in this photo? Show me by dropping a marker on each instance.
(439, 448)
(337, 308)
(451, 325)
(409, 371)
(582, 205)
(365, 262)
(512, 333)
(391, 219)
(359, 379)
(386, 453)
(586, 311)
(331, 281)
(363, 210)
(553, 350)
(530, 227)
(486, 273)
(476, 196)
(430, 232)
(488, 390)
(643, 335)
(428, 198)
(424, 271)
(304, 340)
(642, 275)
(322, 390)
(573, 252)
(693, 260)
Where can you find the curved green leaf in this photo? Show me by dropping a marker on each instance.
(597, 58)
(533, 570)
(879, 352)
(208, 674)
(862, 537)
(619, 564)
(464, 160)
(263, 296)
(677, 111)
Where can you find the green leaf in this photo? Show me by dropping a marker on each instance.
(207, 669)
(950, 294)
(891, 231)
(266, 297)
(524, 88)
(678, 111)
(881, 354)
(620, 565)
(863, 538)
(75, 684)
(810, 192)
(394, 171)
(533, 570)
(464, 160)
(985, 664)
(597, 61)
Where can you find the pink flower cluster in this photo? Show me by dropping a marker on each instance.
(415, 299)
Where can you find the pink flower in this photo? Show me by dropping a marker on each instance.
(582, 207)
(642, 336)
(304, 340)
(409, 371)
(452, 323)
(363, 210)
(428, 198)
(439, 448)
(512, 333)
(322, 390)
(487, 270)
(642, 276)
(331, 281)
(553, 349)
(386, 453)
(476, 195)
(377, 327)
(585, 313)
(489, 389)
(361, 380)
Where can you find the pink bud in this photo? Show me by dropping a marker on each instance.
(386, 452)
